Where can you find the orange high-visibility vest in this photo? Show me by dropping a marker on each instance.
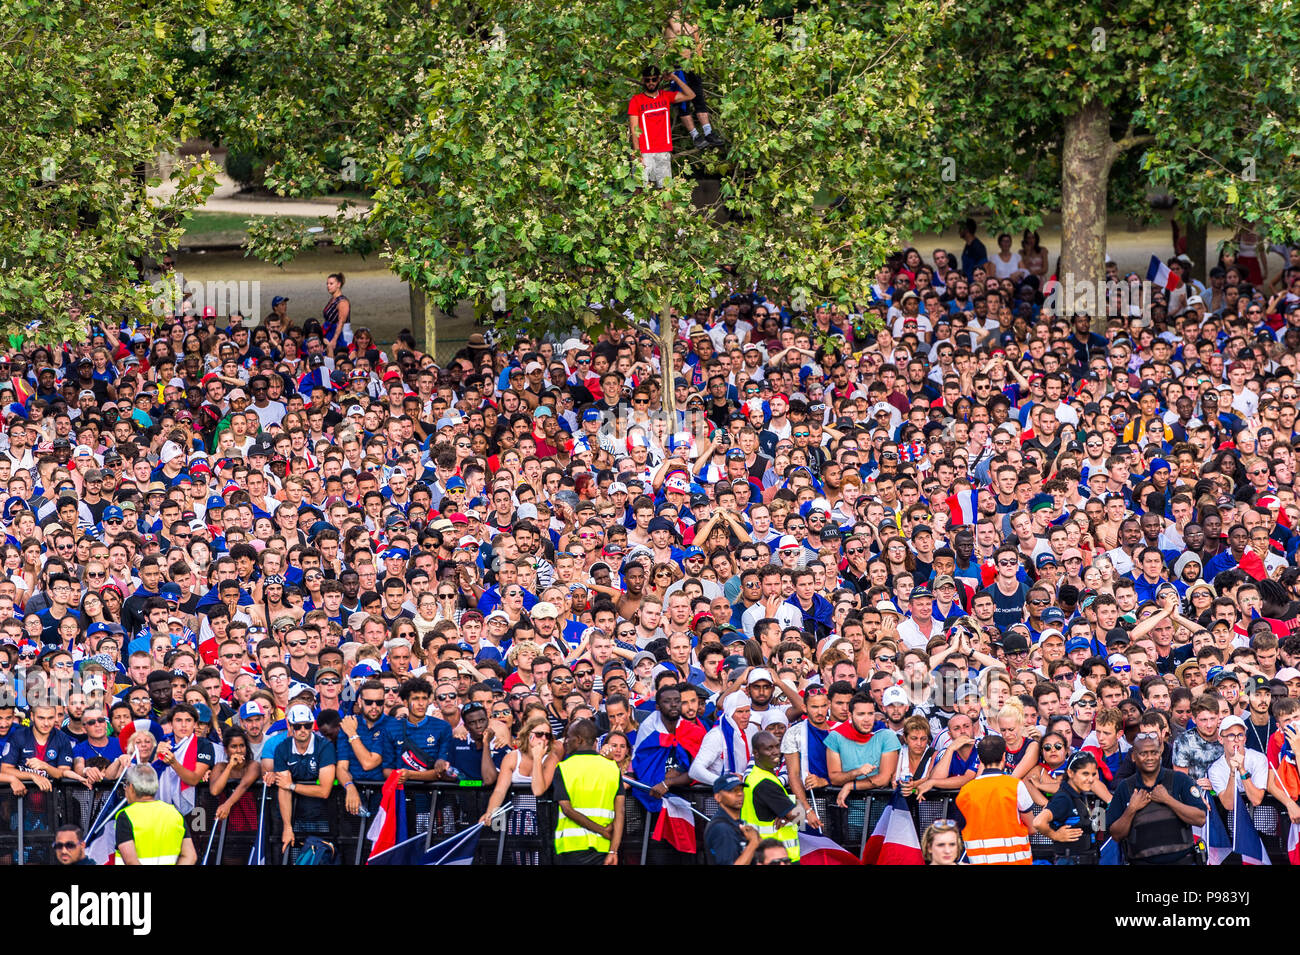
(994, 834)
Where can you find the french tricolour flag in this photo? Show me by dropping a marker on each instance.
(101, 846)
(964, 507)
(1218, 844)
(1245, 837)
(676, 824)
(1293, 845)
(389, 826)
(816, 849)
(894, 840)
(1158, 274)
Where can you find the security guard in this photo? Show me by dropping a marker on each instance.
(589, 791)
(1153, 811)
(149, 832)
(996, 811)
(768, 806)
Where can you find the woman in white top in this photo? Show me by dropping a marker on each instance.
(530, 763)
(1006, 264)
(728, 747)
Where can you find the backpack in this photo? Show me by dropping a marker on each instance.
(316, 851)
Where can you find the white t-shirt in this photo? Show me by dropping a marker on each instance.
(1255, 765)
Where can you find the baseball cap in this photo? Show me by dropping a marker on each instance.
(1077, 643)
(727, 782)
(965, 691)
(545, 609)
(299, 714)
(252, 708)
(892, 695)
(1081, 694)
(757, 674)
(1231, 722)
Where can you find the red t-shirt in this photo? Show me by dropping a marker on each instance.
(656, 120)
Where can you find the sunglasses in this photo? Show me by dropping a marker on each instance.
(445, 697)
(372, 701)
(329, 682)
(66, 846)
(299, 726)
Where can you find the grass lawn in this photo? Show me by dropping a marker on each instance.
(222, 228)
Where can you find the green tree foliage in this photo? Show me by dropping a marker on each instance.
(88, 104)
(517, 179)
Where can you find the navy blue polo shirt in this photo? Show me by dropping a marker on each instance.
(305, 768)
(372, 738)
(430, 740)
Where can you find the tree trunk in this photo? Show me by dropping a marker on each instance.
(1198, 234)
(1086, 161)
(424, 320)
(667, 338)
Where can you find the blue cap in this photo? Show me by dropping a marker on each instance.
(727, 782)
(1077, 643)
(661, 524)
(454, 483)
(362, 670)
(97, 628)
(1159, 464)
(543, 411)
(591, 414)
(112, 513)
(182, 478)
(692, 552)
(736, 454)
(278, 300)
(397, 553)
(488, 653)
(204, 711)
(170, 592)
(1044, 559)
(1053, 615)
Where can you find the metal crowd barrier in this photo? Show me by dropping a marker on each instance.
(523, 836)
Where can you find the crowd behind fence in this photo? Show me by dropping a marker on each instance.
(522, 836)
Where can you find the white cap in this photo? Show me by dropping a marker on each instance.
(1116, 659)
(298, 713)
(534, 366)
(1288, 673)
(83, 450)
(170, 452)
(893, 694)
(887, 606)
(93, 684)
(571, 344)
(786, 543)
(758, 673)
(1195, 300)
(545, 609)
(1230, 722)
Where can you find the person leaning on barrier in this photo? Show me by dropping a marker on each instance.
(149, 832)
(590, 792)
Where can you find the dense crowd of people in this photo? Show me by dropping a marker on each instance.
(946, 543)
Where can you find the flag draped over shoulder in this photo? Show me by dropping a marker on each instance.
(173, 789)
(655, 747)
